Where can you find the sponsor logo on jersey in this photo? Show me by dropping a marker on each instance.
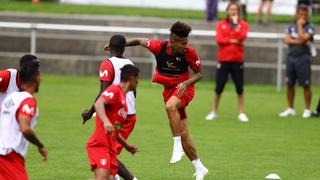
(117, 126)
(28, 110)
(148, 43)
(108, 94)
(170, 65)
(103, 73)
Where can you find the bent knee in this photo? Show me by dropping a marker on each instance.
(170, 107)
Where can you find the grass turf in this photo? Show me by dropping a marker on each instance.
(58, 8)
(230, 149)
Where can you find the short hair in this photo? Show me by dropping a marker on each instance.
(128, 71)
(27, 60)
(231, 4)
(29, 72)
(117, 43)
(302, 7)
(180, 29)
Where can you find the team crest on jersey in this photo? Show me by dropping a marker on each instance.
(103, 73)
(170, 65)
(26, 108)
(103, 162)
(122, 113)
(117, 126)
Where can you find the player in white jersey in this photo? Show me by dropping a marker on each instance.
(10, 78)
(110, 74)
(17, 120)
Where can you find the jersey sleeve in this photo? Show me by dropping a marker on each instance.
(110, 95)
(288, 30)
(153, 46)
(310, 30)
(4, 80)
(106, 72)
(193, 59)
(27, 107)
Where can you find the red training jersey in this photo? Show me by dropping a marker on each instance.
(116, 111)
(172, 69)
(228, 52)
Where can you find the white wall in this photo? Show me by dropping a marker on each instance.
(279, 6)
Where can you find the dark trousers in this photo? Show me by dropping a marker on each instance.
(212, 10)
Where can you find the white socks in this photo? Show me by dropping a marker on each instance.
(177, 145)
(198, 164)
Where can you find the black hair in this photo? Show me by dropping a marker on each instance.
(29, 71)
(117, 43)
(127, 71)
(180, 29)
(27, 60)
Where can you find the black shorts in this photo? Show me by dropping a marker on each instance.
(298, 68)
(236, 69)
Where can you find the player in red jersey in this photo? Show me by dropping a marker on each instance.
(111, 109)
(174, 58)
(110, 74)
(10, 78)
(18, 117)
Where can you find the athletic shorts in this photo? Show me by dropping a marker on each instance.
(99, 157)
(127, 128)
(12, 167)
(185, 99)
(298, 68)
(236, 69)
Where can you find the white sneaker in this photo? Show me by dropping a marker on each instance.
(306, 113)
(243, 117)
(116, 177)
(288, 112)
(201, 173)
(176, 156)
(211, 116)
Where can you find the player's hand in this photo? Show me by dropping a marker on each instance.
(301, 21)
(86, 115)
(44, 153)
(108, 127)
(106, 47)
(182, 87)
(131, 148)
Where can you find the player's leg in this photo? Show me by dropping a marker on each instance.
(259, 13)
(291, 81)
(237, 74)
(221, 79)
(268, 13)
(103, 174)
(191, 152)
(124, 172)
(304, 78)
(172, 106)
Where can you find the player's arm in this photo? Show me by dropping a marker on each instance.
(129, 147)
(290, 41)
(29, 134)
(137, 42)
(303, 36)
(87, 113)
(99, 107)
(193, 79)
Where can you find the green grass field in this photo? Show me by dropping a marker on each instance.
(230, 149)
(58, 8)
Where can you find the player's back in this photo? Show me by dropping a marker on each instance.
(11, 137)
(9, 82)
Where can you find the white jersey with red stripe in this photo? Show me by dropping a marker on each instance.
(118, 63)
(12, 85)
(11, 138)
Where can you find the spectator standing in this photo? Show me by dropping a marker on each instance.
(299, 36)
(212, 10)
(231, 34)
(266, 19)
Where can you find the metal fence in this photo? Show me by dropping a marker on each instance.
(33, 27)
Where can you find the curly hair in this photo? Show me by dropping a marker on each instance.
(180, 29)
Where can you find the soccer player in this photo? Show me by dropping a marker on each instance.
(231, 34)
(298, 36)
(111, 109)
(174, 58)
(10, 78)
(18, 117)
(110, 74)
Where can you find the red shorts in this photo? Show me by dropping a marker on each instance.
(185, 99)
(99, 157)
(126, 130)
(12, 167)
